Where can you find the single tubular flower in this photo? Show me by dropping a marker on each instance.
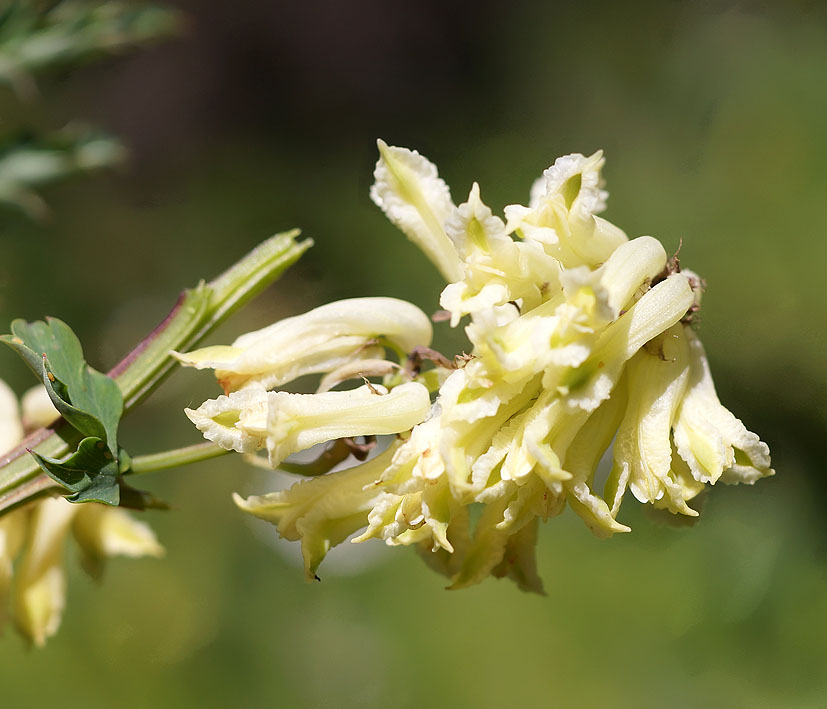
(32, 537)
(247, 420)
(321, 340)
(581, 341)
(298, 421)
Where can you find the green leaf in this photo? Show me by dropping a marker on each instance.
(90, 401)
(90, 472)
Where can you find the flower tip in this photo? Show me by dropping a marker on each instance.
(364, 536)
(241, 503)
(211, 357)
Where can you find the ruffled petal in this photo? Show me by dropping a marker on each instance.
(715, 444)
(235, 422)
(410, 192)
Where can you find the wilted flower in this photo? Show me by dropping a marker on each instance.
(32, 537)
(579, 337)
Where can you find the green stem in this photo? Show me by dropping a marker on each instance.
(173, 458)
(198, 311)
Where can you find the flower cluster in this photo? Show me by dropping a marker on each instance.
(32, 579)
(581, 339)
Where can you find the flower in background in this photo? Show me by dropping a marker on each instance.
(579, 336)
(32, 578)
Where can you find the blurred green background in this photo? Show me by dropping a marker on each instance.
(263, 116)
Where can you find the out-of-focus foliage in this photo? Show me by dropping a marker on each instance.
(37, 36)
(27, 162)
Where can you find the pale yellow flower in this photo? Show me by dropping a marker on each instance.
(562, 213)
(321, 512)
(496, 269)
(579, 336)
(324, 339)
(715, 444)
(32, 538)
(285, 423)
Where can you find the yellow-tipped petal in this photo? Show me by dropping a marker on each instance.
(630, 267)
(473, 229)
(659, 308)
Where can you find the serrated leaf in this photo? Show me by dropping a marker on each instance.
(90, 472)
